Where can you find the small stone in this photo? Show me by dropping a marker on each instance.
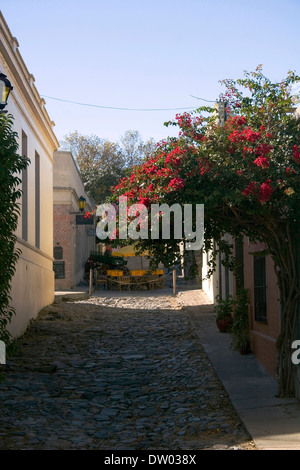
(101, 434)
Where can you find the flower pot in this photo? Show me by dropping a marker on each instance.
(224, 323)
(245, 349)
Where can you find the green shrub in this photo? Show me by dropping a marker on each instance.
(240, 323)
(11, 164)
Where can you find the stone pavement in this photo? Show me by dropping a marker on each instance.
(115, 372)
(273, 423)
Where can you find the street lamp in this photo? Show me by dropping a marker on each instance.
(5, 89)
(81, 203)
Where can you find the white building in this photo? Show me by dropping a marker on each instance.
(221, 282)
(33, 283)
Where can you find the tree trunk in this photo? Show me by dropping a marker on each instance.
(288, 279)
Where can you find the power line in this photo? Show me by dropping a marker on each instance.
(123, 109)
(203, 99)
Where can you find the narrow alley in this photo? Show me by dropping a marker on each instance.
(118, 373)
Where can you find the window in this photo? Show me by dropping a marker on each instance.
(220, 276)
(37, 200)
(226, 282)
(24, 191)
(58, 252)
(260, 289)
(239, 257)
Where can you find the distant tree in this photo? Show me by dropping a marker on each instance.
(99, 161)
(134, 149)
(103, 163)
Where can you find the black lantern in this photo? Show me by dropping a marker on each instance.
(82, 202)
(5, 89)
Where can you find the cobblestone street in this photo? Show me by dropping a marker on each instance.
(115, 373)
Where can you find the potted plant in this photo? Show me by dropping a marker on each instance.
(240, 323)
(224, 309)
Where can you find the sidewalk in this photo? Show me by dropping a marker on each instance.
(273, 423)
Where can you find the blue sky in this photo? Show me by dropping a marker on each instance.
(150, 54)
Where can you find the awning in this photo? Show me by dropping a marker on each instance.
(128, 250)
(109, 260)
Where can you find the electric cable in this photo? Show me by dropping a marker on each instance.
(124, 109)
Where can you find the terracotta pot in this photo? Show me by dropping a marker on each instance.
(245, 349)
(224, 323)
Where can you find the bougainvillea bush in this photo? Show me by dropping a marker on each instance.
(244, 166)
(11, 164)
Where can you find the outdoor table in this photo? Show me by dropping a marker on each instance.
(157, 278)
(138, 272)
(137, 277)
(113, 276)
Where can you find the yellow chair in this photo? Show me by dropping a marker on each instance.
(124, 281)
(100, 280)
(155, 281)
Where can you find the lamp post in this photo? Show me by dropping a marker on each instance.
(5, 89)
(79, 221)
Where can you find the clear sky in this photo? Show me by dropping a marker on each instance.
(146, 54)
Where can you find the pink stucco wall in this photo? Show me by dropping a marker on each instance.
(263, 334)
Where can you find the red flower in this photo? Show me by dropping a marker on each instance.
(296, 153)
(265, 192)
(250, 189)
(246, 134)
(247, 150)
(241, 120)
(263, 149)
(262, 162)
(174, 157)
(289, 170)
(251, 136)
(146, 201)
(176, 183)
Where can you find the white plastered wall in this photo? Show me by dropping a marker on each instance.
(32, 286)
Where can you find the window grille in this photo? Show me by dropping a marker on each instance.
(260, 289)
